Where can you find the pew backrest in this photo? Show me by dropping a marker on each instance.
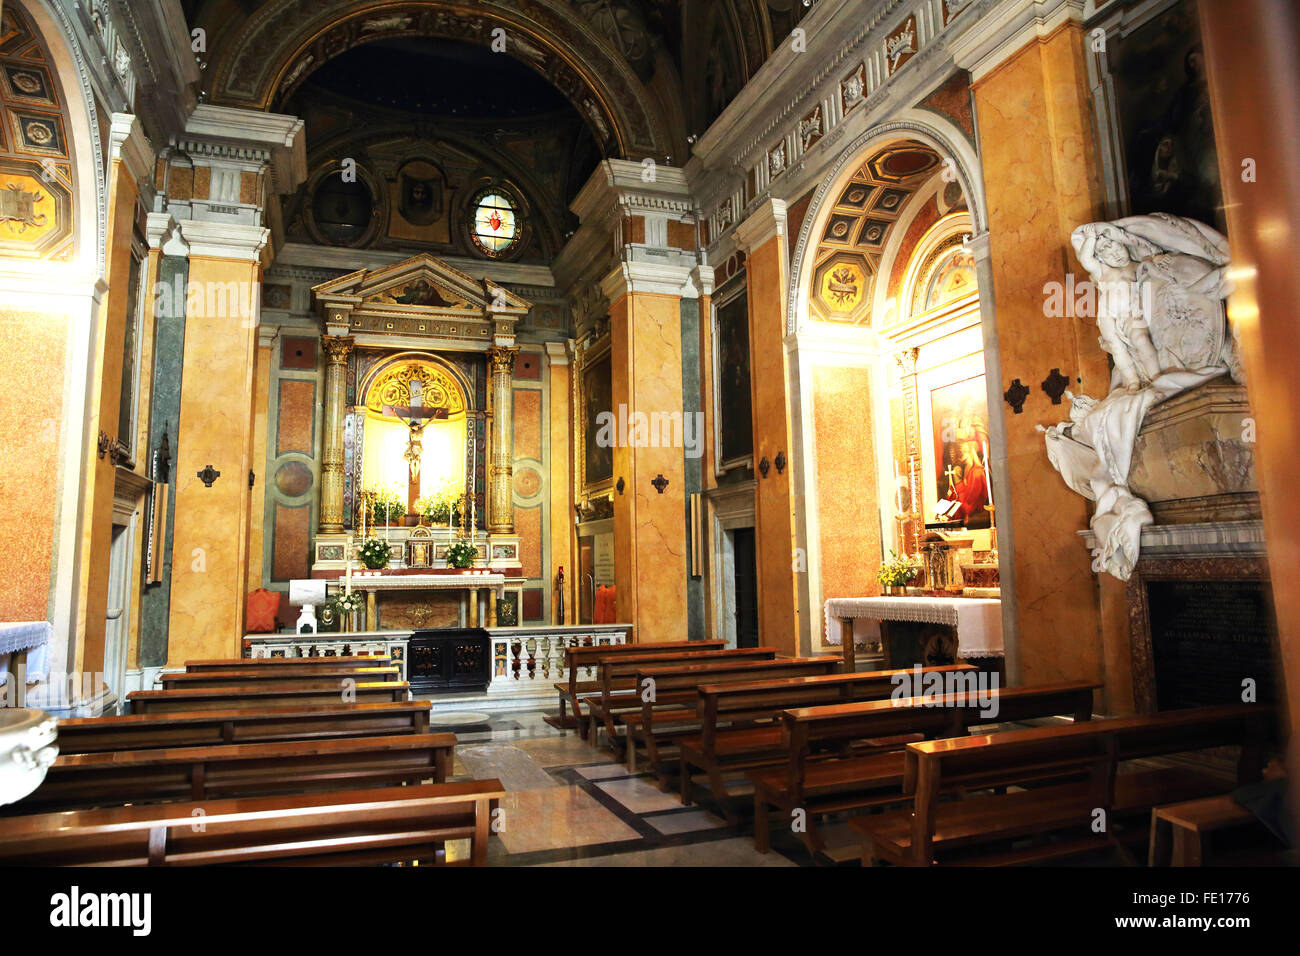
(258, 695)
(254, 663)
(212, 728)
(621, 673)
(355, 826)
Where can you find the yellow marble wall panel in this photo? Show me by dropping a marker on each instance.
(31, 433)
(202, 182)
(561, 470)
(1041, 176)
(649, 528)
(105, 391)
(778, 616)
(849, 525)
(257, 455)
(210, 542)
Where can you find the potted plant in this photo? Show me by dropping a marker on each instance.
(386, 508)
(440, 508)
(462, 555)
(895, 573)
(375, 554)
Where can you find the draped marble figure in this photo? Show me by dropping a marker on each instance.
(1160, 283)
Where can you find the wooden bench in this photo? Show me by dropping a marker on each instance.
(83, 735)
(271, 663)
(352, 827)
(258, 696)
(1061, 799)
(740, 726)
(588, 656)
(669, 710)
(616, 677)
(239, 770)
(289, 677)
(1179, 831)
(872, 776)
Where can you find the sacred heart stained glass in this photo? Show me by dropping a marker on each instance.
(495, 227)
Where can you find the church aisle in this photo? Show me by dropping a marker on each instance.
(570, 805)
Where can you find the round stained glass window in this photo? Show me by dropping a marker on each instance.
(495, 225)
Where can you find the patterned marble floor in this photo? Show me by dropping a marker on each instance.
(571, 805)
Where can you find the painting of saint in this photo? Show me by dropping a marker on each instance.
(597, 391)
(959, 413)
(736, 427)
(1164, 106)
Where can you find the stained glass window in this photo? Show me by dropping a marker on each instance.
(495, 227)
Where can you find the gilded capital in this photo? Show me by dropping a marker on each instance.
(338, 347)
(503, 359)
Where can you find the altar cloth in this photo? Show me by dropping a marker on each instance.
(32, 637)
(978, 620)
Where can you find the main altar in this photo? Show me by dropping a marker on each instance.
(418, 443)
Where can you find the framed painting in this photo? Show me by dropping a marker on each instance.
(595, 464)
(954, 448)
(731, 394)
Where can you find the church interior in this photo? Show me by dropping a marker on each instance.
(701, 433)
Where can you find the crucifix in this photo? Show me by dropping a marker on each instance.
(416, 417)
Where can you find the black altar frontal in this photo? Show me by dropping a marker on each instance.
(449, 659)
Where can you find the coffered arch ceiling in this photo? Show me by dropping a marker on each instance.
(260, 54)
(863, 223)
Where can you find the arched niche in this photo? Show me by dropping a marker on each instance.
(381, 436)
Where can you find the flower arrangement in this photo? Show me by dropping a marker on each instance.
(386, 507)
(441, 506)
(897, 571)
(350, 603)
(375, 553)
(462, 554)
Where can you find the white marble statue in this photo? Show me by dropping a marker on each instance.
(1160, 283)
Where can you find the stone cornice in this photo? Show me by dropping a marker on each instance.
(349, 260)
(768, 220)
(646, 278)
(128, 143)
(557, 353)
(219, 240)
(250, 136)
(1002, 27)
(163, 232)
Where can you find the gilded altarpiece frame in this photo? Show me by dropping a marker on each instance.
(589, 360)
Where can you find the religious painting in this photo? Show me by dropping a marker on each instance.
(418, 201)
(731, 375)
(597, 397)
(959, 433)
(1164, 116)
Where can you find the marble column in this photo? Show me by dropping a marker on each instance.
(337, 349)
(501, 507)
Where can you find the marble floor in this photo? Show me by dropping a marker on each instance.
(569, 804)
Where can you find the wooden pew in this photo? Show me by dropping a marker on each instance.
(257, 696)
(588, 655)
(271, 663)
(290, 677)
(977, 828)
(238, 770)
(754, 708)
(84, 735)
(616, 676)
(352, 827)
(872, 777)
(675, 685)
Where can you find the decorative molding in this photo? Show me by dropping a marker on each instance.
(764, 223)
(220, 240)
(646, 278)
(130, 145)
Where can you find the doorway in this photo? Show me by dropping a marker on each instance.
(744, 597)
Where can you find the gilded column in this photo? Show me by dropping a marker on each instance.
(501, 508)
(337, 349)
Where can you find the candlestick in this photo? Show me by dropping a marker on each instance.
(988, 484)
(898, 490)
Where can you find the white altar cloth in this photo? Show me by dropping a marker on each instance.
(32, 637)
(407, 582)
(978, 620)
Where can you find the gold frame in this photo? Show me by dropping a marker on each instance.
(585, 355)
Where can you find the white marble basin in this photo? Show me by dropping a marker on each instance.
(28, 745)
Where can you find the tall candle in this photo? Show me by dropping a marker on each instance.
(898, 489)
(988, 485)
